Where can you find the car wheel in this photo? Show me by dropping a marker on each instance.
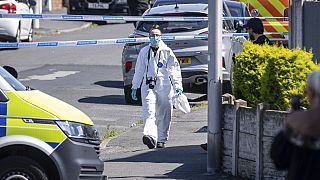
(19, 167)
(127, 96)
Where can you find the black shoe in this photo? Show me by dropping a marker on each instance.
(149, 141)
(204, 146)
(160, 145)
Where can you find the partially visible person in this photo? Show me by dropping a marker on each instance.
(137, 8)
(255, 29)
(158, 74)
(295, 101)
(297, 147)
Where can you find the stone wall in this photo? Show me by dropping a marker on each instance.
(246, 139)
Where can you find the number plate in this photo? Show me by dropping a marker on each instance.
(184, 60)
(98, 6)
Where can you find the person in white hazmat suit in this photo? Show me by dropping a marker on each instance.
(158, 72)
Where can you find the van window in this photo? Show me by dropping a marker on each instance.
(235, 11)
(9, 80)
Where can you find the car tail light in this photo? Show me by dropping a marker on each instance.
(128, 66)
(203, 33)
(223, 62)
(11, 8)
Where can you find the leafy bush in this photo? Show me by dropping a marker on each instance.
(271, 74)
(247, 73)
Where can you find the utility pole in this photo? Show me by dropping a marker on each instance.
(37, 9)
(296, 24)
(214, 85)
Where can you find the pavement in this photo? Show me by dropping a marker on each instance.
(53, 27)
(126, 157)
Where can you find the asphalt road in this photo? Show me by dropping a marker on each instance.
(87, 77)
(90, 78)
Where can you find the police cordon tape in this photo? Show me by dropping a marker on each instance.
(118, 18)
(114, 41)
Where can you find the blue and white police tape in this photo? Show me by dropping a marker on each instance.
(118, 18)
(113, 41)
(247, 34)
(100, 18)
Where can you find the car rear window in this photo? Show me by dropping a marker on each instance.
(170, 2)
(175, 26)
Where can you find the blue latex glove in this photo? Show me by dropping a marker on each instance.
(134, 94)
(178, 92)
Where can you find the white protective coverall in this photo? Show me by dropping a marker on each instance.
(157, 102)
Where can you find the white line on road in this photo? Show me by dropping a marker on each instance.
(49, 77)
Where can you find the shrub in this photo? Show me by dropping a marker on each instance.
(247, 73)
(271, 74)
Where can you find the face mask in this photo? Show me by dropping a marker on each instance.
(155, 40)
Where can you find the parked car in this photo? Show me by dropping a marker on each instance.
(237, 9)
(16, 30)
(191, 54)
(170, 2)
(98, 7)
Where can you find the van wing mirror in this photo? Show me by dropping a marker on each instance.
(3, 96)
(255, 13)
(11, 70)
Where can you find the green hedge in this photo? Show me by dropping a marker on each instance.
(271, 74)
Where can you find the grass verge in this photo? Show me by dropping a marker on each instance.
(198, 105)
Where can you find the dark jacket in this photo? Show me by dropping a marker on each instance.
(262, 40)
(297, 147)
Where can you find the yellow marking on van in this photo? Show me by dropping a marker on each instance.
(19, 107)
(58, 108)
(45, 132)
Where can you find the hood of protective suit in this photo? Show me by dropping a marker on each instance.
(306, 123)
